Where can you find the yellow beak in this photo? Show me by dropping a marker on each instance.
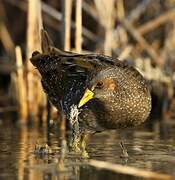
(86, 97)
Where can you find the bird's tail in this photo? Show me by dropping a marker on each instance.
(46, 42)
(47, 45)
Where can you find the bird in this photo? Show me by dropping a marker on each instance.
(107, 93)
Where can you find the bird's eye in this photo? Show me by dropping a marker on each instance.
(99, 85)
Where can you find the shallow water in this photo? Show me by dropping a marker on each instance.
(148, 150)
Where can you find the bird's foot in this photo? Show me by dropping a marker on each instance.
(85, 154)
(124, 150)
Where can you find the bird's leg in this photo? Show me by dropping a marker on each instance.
(75, 130)
(84, 138)
(124, 150)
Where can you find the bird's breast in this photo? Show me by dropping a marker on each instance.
(118, 110)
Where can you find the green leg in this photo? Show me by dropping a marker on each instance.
(84, 139)
(76, 144)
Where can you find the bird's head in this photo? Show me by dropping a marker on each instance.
(102, 85)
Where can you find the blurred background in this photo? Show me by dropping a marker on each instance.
(140, 32)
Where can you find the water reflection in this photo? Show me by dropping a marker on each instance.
(147, 150)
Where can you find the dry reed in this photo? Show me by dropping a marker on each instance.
(78, 26)
(66, 20)
(106, 16)
(21, 85)
(35, 94)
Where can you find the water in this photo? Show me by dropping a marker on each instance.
(150, 150)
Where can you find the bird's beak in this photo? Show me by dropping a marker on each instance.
(86, 97)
